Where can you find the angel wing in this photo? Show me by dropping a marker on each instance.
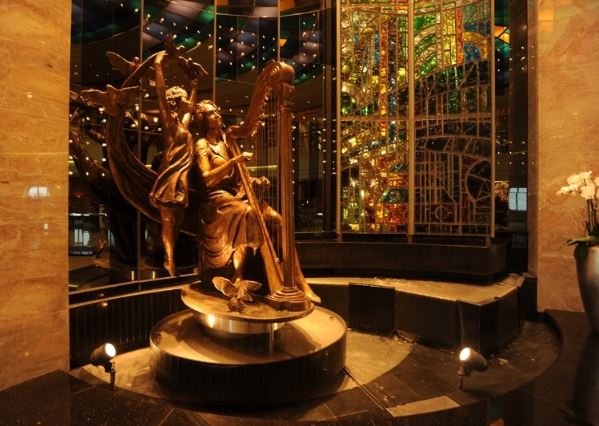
(111, 99)
(94, 96)
(244, 289)
(225, 286)
(122, 65)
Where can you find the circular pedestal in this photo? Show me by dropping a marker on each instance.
(257, 317)
(307, 352)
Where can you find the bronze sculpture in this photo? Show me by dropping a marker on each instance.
(230, 221)
(225, 206)
(170, 192)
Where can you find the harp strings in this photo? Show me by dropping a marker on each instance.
(273, 149)
(265, 146)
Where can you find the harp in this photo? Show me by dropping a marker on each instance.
(267, 132)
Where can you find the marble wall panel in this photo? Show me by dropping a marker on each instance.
(34, 55)
(34, 46)
(29, 23)
(31, 81)
(29, 133)
(533, 124)
(32, 347)
(567, 77)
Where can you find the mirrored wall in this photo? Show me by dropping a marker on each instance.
(110, 241)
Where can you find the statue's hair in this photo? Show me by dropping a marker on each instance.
(201, 106)
(174, 95)
(200, 109)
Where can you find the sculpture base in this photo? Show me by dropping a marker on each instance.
(213, 312)
(290, 299)
(305, 354)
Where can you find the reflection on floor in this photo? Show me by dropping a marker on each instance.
(388, 380)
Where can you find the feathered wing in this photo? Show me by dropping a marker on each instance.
(122, 65)
(113, 100)
(245, 289)
(133, 179)
(225, 286)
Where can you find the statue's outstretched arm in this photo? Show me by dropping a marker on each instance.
(165, 110)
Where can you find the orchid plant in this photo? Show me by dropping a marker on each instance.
(583, 184)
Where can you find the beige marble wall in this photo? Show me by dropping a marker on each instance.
(34, 82)
(567, 137)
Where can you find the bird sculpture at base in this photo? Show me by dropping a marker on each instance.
(238, 292)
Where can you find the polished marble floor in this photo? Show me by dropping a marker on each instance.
(544, 377)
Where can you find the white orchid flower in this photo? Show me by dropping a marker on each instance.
(574, 180)
(579, 179)
(565, 190)
(588, 191)
(588, 188)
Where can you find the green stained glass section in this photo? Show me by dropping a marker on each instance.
(452, 105)
(428, 66)
(423, 21)
(425, 43)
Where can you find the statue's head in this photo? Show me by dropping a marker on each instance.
(175, 96)
(206, 115)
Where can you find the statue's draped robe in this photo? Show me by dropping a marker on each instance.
(227, 220)
(171, 188)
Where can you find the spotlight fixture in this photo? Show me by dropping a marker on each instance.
(470, 361)
(102, 357)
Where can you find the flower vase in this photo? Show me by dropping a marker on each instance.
(588, 281)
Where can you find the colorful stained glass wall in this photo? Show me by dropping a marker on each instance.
(450, 133)
(374, 113)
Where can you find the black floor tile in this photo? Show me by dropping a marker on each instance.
(472, 415)
(179, 417)
(357, 404)
(471, 393)
(232, 420)
(389, 391)
(520, 408)
(44, 400)
(311, 411)
(421, 380)
(102, 406)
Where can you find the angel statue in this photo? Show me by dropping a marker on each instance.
(170, 193)
(197, 188)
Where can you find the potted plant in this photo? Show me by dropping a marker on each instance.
(586, 252)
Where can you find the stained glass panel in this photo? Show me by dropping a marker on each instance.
(453, 118)
(452, 128)
(374, 109)
(375, 176)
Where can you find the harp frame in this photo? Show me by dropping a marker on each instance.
(276, 79)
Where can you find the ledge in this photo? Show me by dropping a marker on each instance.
(402, 259)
